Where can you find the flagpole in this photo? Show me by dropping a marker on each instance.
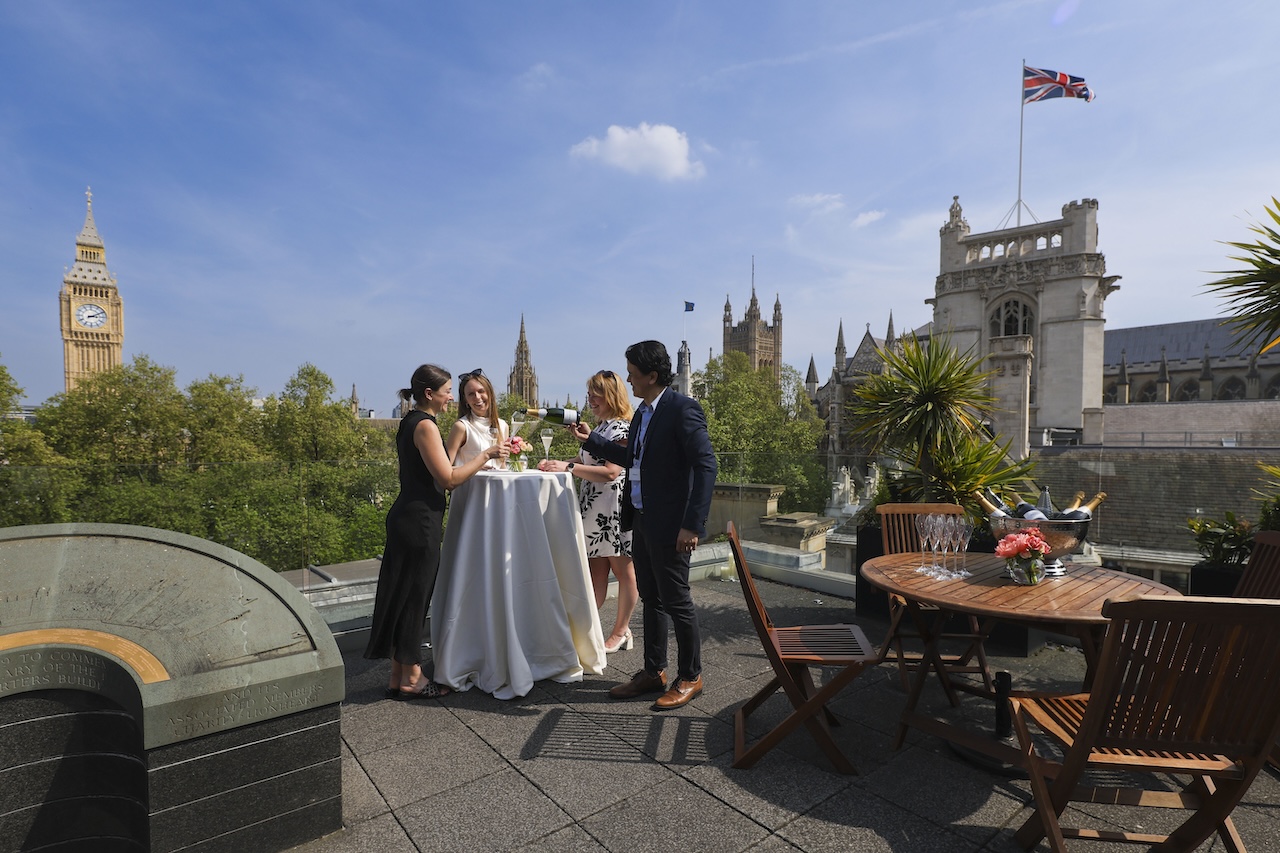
(1022, 111)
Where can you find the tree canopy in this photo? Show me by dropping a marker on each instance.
(763, 431)
(294, 481)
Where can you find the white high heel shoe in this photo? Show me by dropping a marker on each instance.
(624, 643)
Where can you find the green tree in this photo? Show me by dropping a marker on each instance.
(126, 420)
(37, 485)
(305, 423)
(10, 392)
(927, 411)
(763, 432)
(1252, 294)
(223, 424)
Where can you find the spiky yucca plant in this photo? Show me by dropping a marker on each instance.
(1252, 294)
(927, 410)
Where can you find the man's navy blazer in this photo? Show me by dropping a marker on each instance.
(677, 467)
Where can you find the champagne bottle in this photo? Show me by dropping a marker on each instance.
(1076, 500)
(1022, 509)
(1088, 509)
(991, 509)
(564, 417)
(995, 500)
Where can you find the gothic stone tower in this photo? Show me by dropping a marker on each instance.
(90, 308)
(1031, 299)
(523, 381)
(760, 342)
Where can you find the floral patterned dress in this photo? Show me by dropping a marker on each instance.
(601, 503)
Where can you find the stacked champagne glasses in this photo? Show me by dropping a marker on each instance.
(949, 534)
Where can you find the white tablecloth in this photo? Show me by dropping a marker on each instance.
(513, 602)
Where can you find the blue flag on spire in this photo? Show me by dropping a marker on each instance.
(688, 306)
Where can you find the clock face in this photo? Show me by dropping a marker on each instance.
(90, 316)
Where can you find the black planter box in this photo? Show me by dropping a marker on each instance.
(1214, 579)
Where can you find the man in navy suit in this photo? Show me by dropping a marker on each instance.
(671, 469)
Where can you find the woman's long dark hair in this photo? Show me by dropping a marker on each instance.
(428, 377)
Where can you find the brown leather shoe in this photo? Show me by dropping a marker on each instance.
(681, 693)
(641, 683)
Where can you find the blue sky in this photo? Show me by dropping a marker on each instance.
(367, 186)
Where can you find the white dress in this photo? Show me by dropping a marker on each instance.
(478, 441)
(601, 503)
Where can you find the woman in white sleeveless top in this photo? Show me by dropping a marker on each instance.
(471, 433)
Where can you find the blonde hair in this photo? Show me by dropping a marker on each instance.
(608, 386)
(464, 408)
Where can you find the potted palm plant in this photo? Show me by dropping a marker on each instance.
(927, 412)
(1253, 293)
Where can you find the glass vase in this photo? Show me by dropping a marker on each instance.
(1025, 572)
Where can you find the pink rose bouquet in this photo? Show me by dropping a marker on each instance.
(1023, 554)
(519, 446)
(1026, 545)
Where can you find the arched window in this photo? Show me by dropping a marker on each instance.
(1273, 389)
(1148, 393)
(1188, 391)
(1111, 395)
(1232, 389)
(1012, 318)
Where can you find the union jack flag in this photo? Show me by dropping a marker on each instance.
(1039, 84)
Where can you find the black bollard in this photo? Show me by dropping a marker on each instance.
(1004, 723)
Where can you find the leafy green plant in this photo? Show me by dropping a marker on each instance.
(1269, 495)
(1223, 543)
(927, 411)
(1252, 294)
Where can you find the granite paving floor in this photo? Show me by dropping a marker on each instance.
(567, 768)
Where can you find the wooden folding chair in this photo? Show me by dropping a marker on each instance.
(1186, 686)
(898, 532)
(791, 651)
(1261, 576)
(1261, 579)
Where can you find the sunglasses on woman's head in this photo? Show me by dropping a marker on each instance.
(472, 375)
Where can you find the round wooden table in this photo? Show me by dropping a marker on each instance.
(1069, 605)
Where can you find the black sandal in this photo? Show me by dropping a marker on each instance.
(430, 690)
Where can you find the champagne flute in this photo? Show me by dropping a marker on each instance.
(964, 531)
(950, 538)
(547, 436)
(937, 534)
(494, 435)
(517, 421)
(922, 531)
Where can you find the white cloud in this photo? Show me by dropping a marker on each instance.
(537, 78)
(864, 219)
(819, 203)
(659, 150)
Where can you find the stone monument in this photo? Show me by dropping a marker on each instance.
(160, 692)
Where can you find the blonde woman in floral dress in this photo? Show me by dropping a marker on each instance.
(600, 502)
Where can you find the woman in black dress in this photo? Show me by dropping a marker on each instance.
(415, 525)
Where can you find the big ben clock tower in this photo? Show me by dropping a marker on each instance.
(91, 309)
